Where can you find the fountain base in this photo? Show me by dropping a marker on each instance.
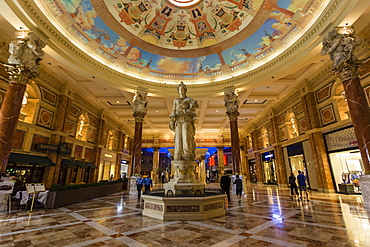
(184, 208)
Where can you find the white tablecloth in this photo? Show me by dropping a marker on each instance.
(41, 196)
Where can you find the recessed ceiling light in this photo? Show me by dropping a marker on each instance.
(216, 110)
(156, 111)
(117, 102)
(255, 100)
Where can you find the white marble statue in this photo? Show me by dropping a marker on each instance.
(26, 51)
(182, 123)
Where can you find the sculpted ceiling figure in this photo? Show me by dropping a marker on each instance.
(182, 123)
(231, 101)
(340, 47)
(26, 51)
(139, 104)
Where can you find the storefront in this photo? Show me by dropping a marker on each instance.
(269, 168)
(28, 168)
(124, 168)
(345, 160)
(298, 156)
(107, 166)
(252, 170)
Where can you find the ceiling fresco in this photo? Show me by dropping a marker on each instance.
(160, 24)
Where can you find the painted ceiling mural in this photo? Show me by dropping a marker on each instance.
(206, 23)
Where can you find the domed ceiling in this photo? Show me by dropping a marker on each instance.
(168, 38)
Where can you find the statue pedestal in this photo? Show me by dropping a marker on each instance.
(365, 189)
(184, 182)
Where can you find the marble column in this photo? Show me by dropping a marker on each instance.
(139, 104)
(220, 162)
(310, 111)
(232, 107)
(202, 169)
(60, 123)
(23, 62)
(323, 172)
(280, 166)
(259, 167)
(339, 45)
(155, 171)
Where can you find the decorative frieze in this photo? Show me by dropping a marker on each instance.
(183, 208)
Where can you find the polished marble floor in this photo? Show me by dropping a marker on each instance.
(266, 216)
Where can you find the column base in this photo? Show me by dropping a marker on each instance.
(365, 190)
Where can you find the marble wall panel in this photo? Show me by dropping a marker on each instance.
(298, 108)
(323, 93)
(327, 115)
(303, 125)
(283, 133)
(91, 135)
(18, 139)
(48, 96)
(88, 153)
(153, 206)
(45, 118)
(183, 208)
(38, 139)
(71, 128)
(78, 151)
(213, 206)
(93, 120)
(75, 111)
(282, 118)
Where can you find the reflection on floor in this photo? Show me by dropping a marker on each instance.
(265, 217)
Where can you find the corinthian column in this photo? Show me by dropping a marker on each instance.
(339, 45)
(140, 102)
(232, 107)
(25, 55)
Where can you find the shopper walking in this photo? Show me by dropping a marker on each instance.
(302, 184)
(293, 186)
(148, 183)
(139, 186)
(225, 185)
(239, 188)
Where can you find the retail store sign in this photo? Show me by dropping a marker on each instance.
(269, 156)
(64, 149)
(45, 146)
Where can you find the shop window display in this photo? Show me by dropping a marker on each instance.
(347, 167)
